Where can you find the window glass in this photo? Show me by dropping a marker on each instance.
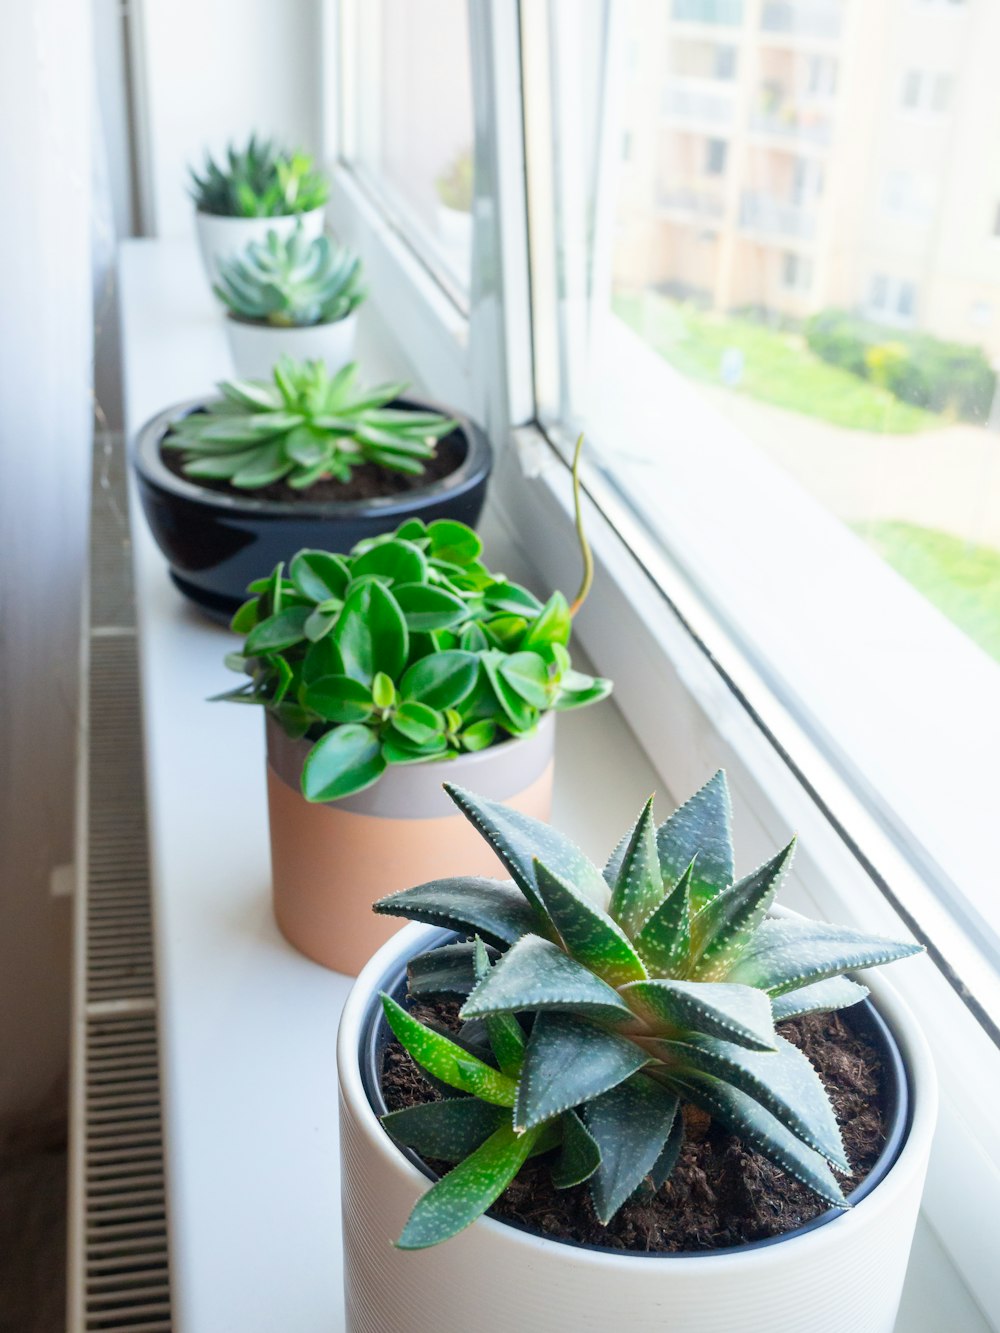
(411, 123)
(759, 342)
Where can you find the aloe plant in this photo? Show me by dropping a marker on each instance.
(258, 181)
(597, 1003)
(291, 282)
(304, 427)
(406, 650)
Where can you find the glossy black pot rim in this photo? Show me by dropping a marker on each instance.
(376, 1034)
(474, 469)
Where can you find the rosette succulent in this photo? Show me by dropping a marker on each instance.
(291, 282)
(304, 427)
(406, 650)
(259, 181)
(597, 1003)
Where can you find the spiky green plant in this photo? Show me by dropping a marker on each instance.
(616, 998)
(291, 282)
(406, 650)
(258, 181)
(304, 427)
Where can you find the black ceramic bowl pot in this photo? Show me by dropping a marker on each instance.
(216, 543)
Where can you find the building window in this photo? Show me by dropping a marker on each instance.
(796, 272)
(927, 91)
(907, 197)
(725, 62)
(892, 299)
(715, 157)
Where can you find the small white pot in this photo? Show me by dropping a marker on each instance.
(455, 230)
(255, 348)
(222, 238)
(844, 1276)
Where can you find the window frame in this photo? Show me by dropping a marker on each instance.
(644, 624)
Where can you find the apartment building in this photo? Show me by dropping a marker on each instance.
(801, 154)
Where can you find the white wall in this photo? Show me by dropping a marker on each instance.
(45, 447)
(208, 71)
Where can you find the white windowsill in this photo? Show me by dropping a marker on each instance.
(248, 1025)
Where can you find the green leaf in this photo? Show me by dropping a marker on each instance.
(246, 617)
(338, 699)
(383, 690)
(428, 608)
(417, 723)
(820, 997)
(319, 624)
(341, 762)
(568, 1062)
(520, 715)
(782, 1080)
(746, 1118)
(278, 632)
(322, 659)
(528, 676)
(442, 681)
(664, 942)
(464, 1194)
(400, 561)
(319, 575)
(371, 633)
(553, 624)
(517, 839)
(506, 1036)
(480, 736)
(702, 826)
(596, 690)
(637, 890)
(579, 1156)
(469, 904)
(447, 1130)
(446, 970)
(453, 542)
(589, 933)
(535, 974)
(664, 1165)
(505, 632)
(724, 926)
(630, 1124)
(784, 955)
(510, 598)
(446, 1060)
(396, 750)
(738, 1014)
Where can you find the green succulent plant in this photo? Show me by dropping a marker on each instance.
(291, 282)
(258, 181)
(597, 1003)
(455, 185)
(408, 649)
(304, 427)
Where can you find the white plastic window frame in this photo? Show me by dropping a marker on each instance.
(691, 698)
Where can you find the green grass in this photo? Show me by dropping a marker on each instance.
(962, 580)
(778, 367)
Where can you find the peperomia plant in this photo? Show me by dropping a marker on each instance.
(597, 1003)
(405, 650)
(259, 181)
(305, 427)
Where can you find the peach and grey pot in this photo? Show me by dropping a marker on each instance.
(330, 862)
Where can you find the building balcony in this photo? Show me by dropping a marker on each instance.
(793, 123)
(696, 204)
(797, 19)
(767, 216)
(723, 13)
(691, 101)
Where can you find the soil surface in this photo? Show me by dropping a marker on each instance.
(368, 482)
(721, 1193)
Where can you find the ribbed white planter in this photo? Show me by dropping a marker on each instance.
(844, 1276)
(222, 238)
(256, 347)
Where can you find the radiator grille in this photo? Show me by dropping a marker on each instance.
(119, 1269)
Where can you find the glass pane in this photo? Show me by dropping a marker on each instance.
(413, 124)
(776, 300)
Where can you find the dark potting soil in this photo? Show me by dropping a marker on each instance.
(368, 482)
(721, 1193)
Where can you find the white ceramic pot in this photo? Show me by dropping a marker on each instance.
(255, 348)
(222, 238)
(455, 230)
(844, 1276)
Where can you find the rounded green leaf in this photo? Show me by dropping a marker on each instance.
(453, 542)
(480, 736)
(441, 681)
(505, 632)
(398, 561)
(511, 598)
(338, 699)
(319, 575)
(341, 762)
(429, 608)
(528, 675)
(246, 617)
(383, 690)
(322, 659)
(553, 625)
(418, 723)
(371, 633)
(277, 632)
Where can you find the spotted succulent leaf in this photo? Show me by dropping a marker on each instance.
(738, 1014)
(637, 890)
(446, 1060)
(506, 1036)
(664, 1165)
(821, 997)
(701, 827)
(579, 1156)
(589, 934)
(537, 975)
(468, 904)
(569, 1062)
(725, 925)
(630, 1125)
(446, 1130)
(664, 942)
(787, 954)
(449, 970)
